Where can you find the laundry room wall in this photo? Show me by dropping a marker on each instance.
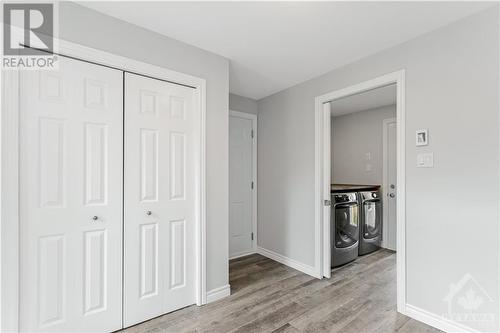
(452, 84)
(87, 27)
(354, 136)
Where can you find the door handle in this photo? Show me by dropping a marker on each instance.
(149, 212)
(95, 218)
(392, 195)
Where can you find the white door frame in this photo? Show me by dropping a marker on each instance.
(253, 118)
(385, 178)
(322, 226)
(9, 205)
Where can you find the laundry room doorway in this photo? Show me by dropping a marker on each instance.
(360, 177)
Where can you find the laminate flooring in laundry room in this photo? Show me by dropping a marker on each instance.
(267, 296)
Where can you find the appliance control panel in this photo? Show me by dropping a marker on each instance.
(369, 195)
(344, 197)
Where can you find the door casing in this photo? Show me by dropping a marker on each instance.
(322, 165)
(9, 193)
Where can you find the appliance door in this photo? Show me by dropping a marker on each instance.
(372, 215)
(346, 225)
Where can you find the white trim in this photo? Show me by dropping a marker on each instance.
(498, 138)
(253, 118)
(385, 178)
(319, 247)
(309, 270)
(241, 114)
(9, 234)
(242, 254)
(218, 293)
(436, 321)
(320, 163)
(327, 131)
(401, 191)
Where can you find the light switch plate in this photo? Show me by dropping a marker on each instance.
(425, 160)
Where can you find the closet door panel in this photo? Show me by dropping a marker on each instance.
(159, 218)
(71, 153)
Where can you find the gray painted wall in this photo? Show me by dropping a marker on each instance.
(242, 104)
(354, 135)
(452, 89)
(90, 28)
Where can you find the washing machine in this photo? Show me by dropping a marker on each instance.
(344, 228)
(370, 227)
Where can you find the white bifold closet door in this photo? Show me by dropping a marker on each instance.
(71, 198)
(159, 200)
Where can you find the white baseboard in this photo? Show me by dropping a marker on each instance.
(287, 261)
(218, 293)
(436, 321)
(239, 255)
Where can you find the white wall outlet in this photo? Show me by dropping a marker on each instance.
(425, 160)
(368, 167)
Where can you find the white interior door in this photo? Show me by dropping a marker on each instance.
(71, 198)
(241, 238)
(159, 199)
(390, 184)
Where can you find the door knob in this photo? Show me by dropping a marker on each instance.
(149, 212)
(95, 217)
(393, 186)
(392, 195)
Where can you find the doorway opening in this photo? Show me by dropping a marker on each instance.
(360, 156)
(363, 156)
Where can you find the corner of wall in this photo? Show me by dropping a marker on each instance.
(309, 270)
(218, 293)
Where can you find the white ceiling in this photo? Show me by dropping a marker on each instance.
(275, 45)
(371, 99)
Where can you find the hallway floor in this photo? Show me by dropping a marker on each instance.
(267, 296)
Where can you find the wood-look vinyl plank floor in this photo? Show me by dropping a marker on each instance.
(267, 296)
